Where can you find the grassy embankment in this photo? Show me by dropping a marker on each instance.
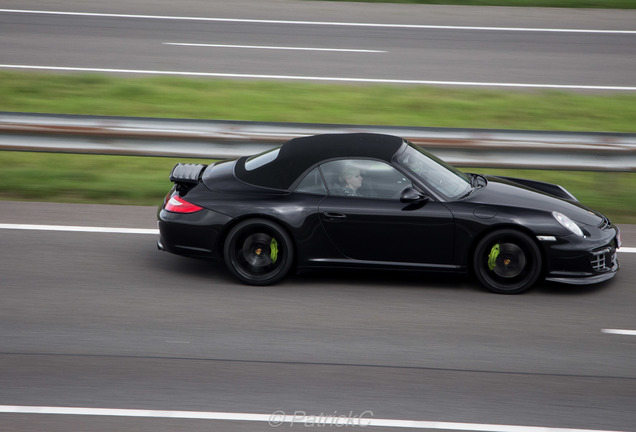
(143, 181)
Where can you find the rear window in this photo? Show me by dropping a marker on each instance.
(259, 160)
(267, 169)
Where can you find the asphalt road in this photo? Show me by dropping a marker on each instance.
(281, 39)
(105, 320)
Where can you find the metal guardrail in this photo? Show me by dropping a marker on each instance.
(226, 139)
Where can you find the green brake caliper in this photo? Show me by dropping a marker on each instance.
(492, 257)
(273, 250)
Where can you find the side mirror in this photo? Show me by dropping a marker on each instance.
(412, 195)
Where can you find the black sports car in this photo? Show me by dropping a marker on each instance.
(377, 201)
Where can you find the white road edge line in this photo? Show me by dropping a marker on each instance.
(94, 229)
(278, 419)
(88, 229)
(286, 48)
(317, 78)
(619, 332)
(320, 23)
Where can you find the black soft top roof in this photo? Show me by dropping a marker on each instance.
(299, 154)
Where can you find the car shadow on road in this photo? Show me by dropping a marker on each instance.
(554, 288)
(382, 279)
(215, 272)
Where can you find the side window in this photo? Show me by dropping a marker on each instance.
(312, 184)
(363, 178)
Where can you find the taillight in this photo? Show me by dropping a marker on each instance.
(176, 204)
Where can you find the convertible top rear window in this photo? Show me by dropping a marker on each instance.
(257, 161)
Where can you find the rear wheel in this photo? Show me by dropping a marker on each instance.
(507, 262)
(258, 252)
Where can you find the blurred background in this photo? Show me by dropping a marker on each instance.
(105, 321)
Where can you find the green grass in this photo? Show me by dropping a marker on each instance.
(57, 177)
(176, 97)
(144, 181)
(600, 4)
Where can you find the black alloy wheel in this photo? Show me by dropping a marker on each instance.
(258, 252)
(507, 262)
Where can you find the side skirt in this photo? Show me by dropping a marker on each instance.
(351, 263)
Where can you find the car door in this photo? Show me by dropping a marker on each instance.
(371, 224)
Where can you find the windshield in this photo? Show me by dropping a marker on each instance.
(444, 179)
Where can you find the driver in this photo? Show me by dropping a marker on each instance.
(349, 181)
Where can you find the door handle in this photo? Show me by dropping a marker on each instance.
(334, 216)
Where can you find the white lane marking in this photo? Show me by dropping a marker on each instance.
(317, 78)
(89, 229)
(619, 332)
(94, 229)
(321, 23)
(277, 420)
(273, 47)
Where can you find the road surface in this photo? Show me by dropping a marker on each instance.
(105, 320)
(566, 49)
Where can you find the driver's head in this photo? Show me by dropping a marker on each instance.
(352, 177)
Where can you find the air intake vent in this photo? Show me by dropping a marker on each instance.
(605, 223)
(603, 260)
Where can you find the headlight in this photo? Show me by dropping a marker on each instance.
(567, 223)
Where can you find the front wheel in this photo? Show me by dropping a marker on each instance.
(507, 262)
(258, 252)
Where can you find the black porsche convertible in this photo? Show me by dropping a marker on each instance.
(379, 202)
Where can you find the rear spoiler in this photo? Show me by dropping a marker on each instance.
(187, 173)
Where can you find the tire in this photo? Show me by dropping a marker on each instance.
(258, 252)
(507, 262)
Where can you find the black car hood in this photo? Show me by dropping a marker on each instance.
(501, 192)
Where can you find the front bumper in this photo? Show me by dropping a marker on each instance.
(584, 279)
(584, 261)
